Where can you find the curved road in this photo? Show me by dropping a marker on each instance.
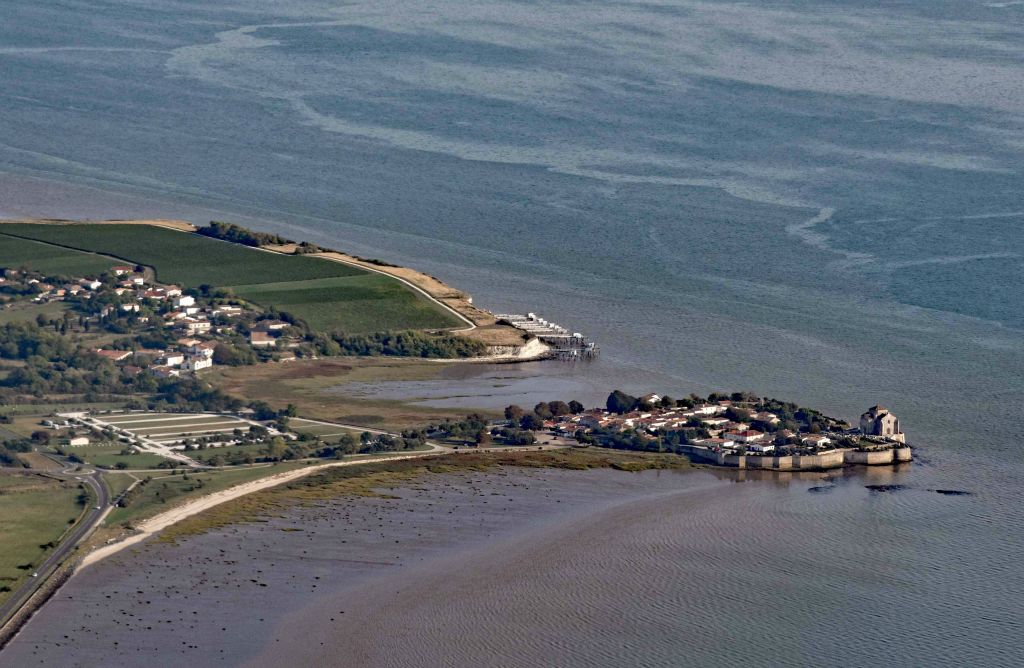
(93, 516)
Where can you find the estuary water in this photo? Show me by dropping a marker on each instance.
(817, 200)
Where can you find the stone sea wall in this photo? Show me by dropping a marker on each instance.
(827, 460)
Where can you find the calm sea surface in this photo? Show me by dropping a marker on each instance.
(819, 201)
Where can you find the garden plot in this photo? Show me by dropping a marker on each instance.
(169, 429)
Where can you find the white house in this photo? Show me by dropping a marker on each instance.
(716, 442)
(77, 441)
(198, 362)
(761, 447)
(184, 300)
(172, 359)
(816, 439)
(194, 325)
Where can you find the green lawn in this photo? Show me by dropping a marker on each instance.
(107, 456)
(33, 512)
(118, 482)
(329, 296)
(204, 455)
(25, 312)
(17, 253)
(302, 427)
(352, 304)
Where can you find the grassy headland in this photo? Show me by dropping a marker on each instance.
(333, 295)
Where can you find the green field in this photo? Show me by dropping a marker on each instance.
(107, 456)
(352, 304)
(119, 482)
(28, 312)
(328, 295)
(300, 426)
(206, 454)
(183, 258)
(33, 512)
(18, 253)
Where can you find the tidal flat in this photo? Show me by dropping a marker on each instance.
(532, 566)
(232, 594)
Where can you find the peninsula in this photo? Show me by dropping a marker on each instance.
(151, 370)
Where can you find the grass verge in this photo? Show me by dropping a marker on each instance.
(34, 513)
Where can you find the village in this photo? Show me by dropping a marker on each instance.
(740, 430)
(175, 331)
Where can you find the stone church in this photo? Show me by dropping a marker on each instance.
(878, 421)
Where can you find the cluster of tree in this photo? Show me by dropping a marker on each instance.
(799, 418)
(9, 452)
(240, 235)
(53, 364)
(466, 429)
(410, 344)
(507, 436)
(542, 411)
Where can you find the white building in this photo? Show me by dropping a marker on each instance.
(761, 447)
(184, 300)
(78, 441)
(198, 362)
(172, 359)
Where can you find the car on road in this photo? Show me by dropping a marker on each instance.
(36, 574)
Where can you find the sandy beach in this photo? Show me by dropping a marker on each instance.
(155, 524)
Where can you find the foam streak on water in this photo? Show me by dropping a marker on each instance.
(818, 200)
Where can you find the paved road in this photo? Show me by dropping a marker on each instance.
(93, 516)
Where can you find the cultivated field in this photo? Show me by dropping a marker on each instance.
(17, 253)
(328, 295)
(179, 257)
(173, 428)
(352, 304)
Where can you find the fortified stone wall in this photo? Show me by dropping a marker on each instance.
(827, 460)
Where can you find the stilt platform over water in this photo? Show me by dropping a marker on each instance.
(564, 344)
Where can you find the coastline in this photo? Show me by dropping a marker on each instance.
(154, 525)
(507, 344)
(282, 582)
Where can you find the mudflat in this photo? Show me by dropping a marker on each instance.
(302, 584)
